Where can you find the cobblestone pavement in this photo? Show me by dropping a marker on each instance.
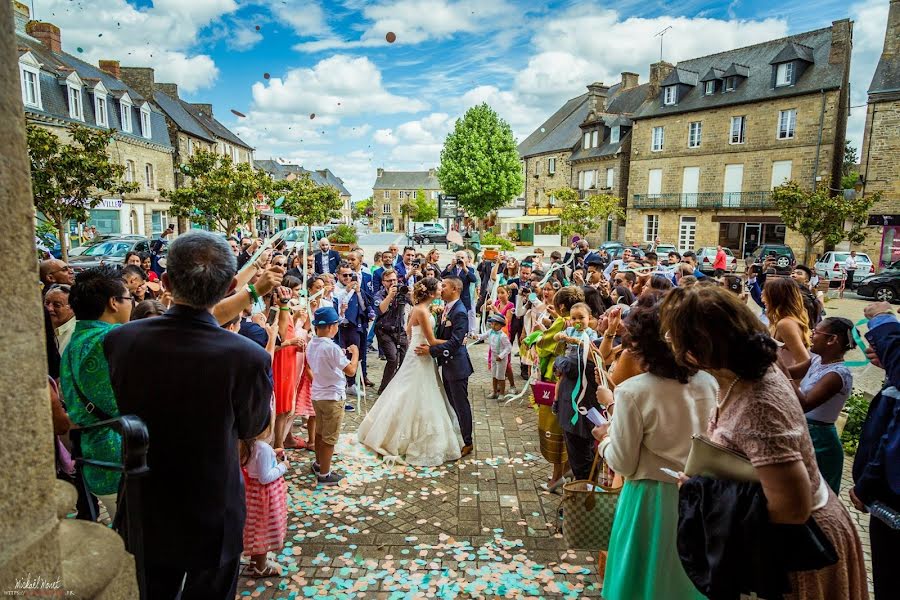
(479, 527)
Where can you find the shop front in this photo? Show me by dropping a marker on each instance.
(745, 235)
(889, 250)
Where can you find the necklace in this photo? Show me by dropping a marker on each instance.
(720, 403)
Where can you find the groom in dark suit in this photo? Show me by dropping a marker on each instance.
(452, 356)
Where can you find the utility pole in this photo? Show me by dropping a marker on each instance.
(660, 36)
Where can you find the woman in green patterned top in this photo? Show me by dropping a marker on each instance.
(101, 302)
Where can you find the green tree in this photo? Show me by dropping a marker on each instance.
(360, 209)
(583, 216)
(420, 209)
(310, 203)
(851, 158)
(821, 217)
(68, 179)
(221, 193)
(480, 163)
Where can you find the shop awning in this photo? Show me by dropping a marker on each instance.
(529, 219)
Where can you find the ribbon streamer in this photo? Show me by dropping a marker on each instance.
(263, 248)
(859, 344)
(584, 350)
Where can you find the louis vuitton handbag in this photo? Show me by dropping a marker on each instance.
(588, 507)
(709, 459)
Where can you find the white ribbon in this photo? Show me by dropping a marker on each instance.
(263, 248)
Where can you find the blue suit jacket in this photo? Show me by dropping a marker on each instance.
(876, 468)
(334, 259)
(452, 354)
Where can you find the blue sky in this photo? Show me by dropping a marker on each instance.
(380, 104)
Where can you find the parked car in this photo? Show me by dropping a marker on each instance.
(662, 250)
(417, 225)
(616, 252)
(611, 244)
(101, 237)
(294, 236)
(831, 266)
(784, 255)
(429, 235)
(706, 256)
(884, 286)
(109, 251)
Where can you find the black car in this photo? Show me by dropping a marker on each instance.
(429, 235)
(109, 251)
(784, 255)
(884, 286)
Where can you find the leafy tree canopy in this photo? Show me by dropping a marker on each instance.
(70, 178)
(480, 163)
(221, 193)
(308, 202)
(584, 216)
(360, 209)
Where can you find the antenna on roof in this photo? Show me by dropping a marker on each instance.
(660, 36)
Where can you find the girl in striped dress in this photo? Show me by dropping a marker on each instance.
(266, 494)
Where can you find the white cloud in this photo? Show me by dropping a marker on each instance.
(416, 142)
(354, 132)
(162, 36)
(385, 137)
(870, 22)
(417, 21)
(305, 17)
(336, 85)
(244, 38)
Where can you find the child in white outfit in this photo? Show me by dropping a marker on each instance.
(499, 351)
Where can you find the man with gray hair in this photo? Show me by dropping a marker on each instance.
(218, 390)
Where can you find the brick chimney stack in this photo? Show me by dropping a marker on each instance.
(169, 89)
(892, 35)
(380, 171)
(597, 93)
(205, 109)
(629, 80)
(658, 73)
(842, 40)
(47, 33)
(110, 67)
(141, 79)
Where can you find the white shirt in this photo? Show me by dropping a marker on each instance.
(850, 264)
(263, 465)
(64, 334)
(326, 363)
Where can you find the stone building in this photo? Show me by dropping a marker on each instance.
(279, 171)
(880, 162)
(716, 134)
(585, 145)
(393, 189)
(59, 89)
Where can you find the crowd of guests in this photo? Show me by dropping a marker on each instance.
(662, 351)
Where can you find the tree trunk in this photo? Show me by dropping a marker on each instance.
(806, 250)
(61, 234)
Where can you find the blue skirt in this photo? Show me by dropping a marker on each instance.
(643, 558)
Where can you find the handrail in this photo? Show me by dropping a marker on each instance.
(757, 200)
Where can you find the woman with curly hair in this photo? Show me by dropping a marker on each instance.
(788, 319)
(653, 416)
(412, 420)
(757, 414)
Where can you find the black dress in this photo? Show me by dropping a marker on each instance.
(579, 441)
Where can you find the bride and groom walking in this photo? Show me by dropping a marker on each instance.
(417, 417)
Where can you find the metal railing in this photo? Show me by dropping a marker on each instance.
(706, 200)
(582, 194)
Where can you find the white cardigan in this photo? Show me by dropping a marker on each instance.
(653, 421)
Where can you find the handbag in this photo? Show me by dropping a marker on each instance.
(544, 392)
(552, 440)
(710, 459)
(588, 508)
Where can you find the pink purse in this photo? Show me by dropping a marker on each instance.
(544, 392)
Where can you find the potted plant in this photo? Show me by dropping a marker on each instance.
(343, 238)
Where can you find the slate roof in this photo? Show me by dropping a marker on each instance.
(887, 75)
(334, 181)
(713, 74)
(562, 131)
(406, 180)
(280, 171)
(755, 62)
(793, 51)
(213, 126)
(182, 118)
(680, 75)
(55, 101)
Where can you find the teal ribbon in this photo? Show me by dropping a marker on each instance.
(576, 390)
(859, 344)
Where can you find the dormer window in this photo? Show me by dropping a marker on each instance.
(30, 78)
(586, 144)
(76, 108)
(125, 112)
(784, 74)
(614, 134)
(101, 105)
(145, 121)
(595, 138)
(669, 95)
(730, 84)
(710, 88)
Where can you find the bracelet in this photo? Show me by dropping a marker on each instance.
(284, 308)
(251, 289)
(609, 336)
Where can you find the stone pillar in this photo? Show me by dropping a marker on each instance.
(29, 545)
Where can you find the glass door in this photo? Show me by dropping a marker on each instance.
(751, 238)
(686, 233)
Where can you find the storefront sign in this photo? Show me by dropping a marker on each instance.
(448, 207)
(884, 220)
(113, 203)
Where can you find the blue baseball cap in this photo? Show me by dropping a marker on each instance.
(325, 316)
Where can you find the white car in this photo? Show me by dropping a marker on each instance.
(831, 266)
(707, 256)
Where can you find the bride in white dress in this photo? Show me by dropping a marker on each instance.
(412, 420)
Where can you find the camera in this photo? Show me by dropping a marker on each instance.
(403, 290)
(354, 277)
(416, 263)
(284, 300)
(460, 262)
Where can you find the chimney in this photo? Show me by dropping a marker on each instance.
(597, 93)
(47, 33)
(380, 171)
(629, 80)
(205, 109)
(22, 15)
(658, 73)
(141, 79)
(892, 35)
(842, 39)
(110, 67)
(169, 89)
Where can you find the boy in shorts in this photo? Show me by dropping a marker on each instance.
(329, 366)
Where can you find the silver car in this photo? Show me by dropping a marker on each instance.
(707, 256)
(831, 265)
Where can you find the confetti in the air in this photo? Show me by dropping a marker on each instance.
(80, 49)
(238, 113)
(312, 115)
(266, 75)
(391, 37)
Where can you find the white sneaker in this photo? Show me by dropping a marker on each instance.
(351, 390)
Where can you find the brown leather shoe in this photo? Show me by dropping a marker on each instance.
(466, 450)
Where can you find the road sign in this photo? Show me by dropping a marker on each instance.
(448, 207)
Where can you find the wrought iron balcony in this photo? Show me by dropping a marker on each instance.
(706, 200)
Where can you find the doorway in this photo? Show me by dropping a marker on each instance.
(752, 232)
(686, 233)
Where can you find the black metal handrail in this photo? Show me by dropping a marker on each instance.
(127, 522)
(758, 200)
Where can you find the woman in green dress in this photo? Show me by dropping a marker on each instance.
(101, 302)
(653, 416)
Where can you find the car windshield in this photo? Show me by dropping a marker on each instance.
(843, 256)
(295, 235)
(116, 249)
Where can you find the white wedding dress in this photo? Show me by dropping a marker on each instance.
(413, 420)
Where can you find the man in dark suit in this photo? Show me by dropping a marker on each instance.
(217, 390)
(361, 307)
(461, 270)
(326, 259)
(453, 358)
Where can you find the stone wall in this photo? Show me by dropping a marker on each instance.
(880, 165)
(539, 184)
(394, 199)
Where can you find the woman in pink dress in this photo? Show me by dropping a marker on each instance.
(504, 307)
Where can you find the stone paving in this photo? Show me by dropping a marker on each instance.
(479, 527)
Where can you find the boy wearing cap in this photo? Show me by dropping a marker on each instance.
(499, 350)
(329, 366)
